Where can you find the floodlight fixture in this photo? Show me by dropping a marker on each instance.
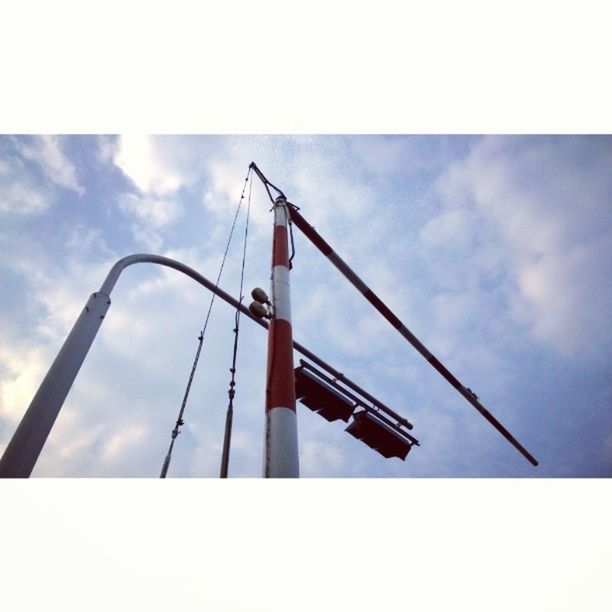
(321, 397)
(258, 310)
(381, 434)
(374, 424)
(259, 295)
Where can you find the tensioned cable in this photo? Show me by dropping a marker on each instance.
(232, 391)
(265, 181)
(267, 184)
(179, 421)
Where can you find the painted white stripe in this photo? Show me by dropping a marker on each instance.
(281, 215)
(281, 293)
(282, 460)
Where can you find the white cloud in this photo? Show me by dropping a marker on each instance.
(313, 171)
(107, 148)
(25, 370)
(403, 156)
(544, 205)
(73, 436)
(570, 294)
(320, 457)
(151, 215)
(453, 228)
(140, 158)
(85, 242)
(46, 151)
(19, 192)
(154, 212)
(124, 442)
(226, 182)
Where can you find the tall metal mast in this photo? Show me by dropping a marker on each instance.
(281, 444)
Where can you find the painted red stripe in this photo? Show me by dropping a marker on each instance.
(280, 249)
(451, 379)
(281, 383)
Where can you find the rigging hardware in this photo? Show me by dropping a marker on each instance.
(232, 391)
(179, 421)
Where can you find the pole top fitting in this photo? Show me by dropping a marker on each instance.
(281, 199)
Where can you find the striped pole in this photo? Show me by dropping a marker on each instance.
(384, 310)
(281, 445)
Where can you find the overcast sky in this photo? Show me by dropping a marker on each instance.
(494, 251)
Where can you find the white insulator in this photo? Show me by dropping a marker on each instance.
(260, 295)
(258, 310)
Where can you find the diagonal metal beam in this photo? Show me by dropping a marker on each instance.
(384, 310)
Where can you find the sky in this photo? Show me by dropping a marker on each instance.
(494, 251)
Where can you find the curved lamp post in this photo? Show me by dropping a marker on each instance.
(27, 442)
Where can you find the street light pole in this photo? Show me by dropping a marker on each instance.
(281, 443)
(26, 444)
(28, 440)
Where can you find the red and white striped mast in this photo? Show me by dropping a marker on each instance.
(281, 443)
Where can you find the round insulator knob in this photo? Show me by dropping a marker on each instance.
(260, 295)
(258, 310)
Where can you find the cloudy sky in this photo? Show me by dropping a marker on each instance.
(494, 250)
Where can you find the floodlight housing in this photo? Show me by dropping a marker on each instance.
(258, 310)
(321, 397)
(383, 437)
(260, 295)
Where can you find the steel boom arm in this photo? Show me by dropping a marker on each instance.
(383, 309)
